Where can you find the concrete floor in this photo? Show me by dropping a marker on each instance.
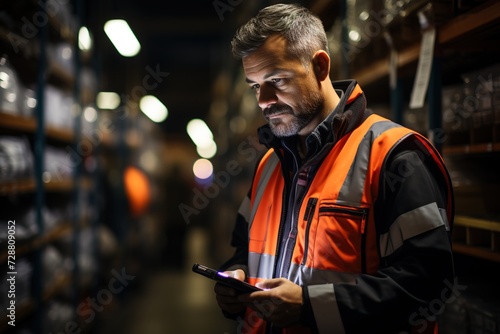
(172, 302)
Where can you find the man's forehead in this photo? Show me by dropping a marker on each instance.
(272, 56)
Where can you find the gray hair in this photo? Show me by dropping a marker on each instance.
(303, 31)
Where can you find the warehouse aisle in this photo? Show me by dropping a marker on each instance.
(173, 302)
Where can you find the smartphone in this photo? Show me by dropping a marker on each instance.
(240, 286)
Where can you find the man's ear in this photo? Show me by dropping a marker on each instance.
(321, 65)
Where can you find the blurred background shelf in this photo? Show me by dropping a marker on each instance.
(477, 237)
(28, 125)
(473, 148)
(17, 123)
(29, 186)
(25, 247)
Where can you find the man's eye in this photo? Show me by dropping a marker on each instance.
(255, 87)
(276, 80)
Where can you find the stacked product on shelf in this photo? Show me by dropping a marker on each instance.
(10, 92)
(58, 108)
(480, 88)
(15, 98)
(472, 108)
(56, 316)
(43, 199)
(16, 158)
(58, 164)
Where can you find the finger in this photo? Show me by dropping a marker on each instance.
(254, 296)
(270, 283)
(238, 274)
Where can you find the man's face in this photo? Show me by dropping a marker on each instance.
(287, 92)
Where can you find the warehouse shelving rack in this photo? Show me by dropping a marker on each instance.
(30, 57)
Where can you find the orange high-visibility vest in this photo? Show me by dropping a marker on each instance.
(336, 236)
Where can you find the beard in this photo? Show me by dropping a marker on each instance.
(294, 120)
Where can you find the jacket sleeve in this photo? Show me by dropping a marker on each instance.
(416, 274)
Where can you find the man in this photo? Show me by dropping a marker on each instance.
(346, 227)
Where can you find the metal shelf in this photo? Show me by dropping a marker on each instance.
(28, 246)
(466, 24)
(478, 237)
(471, 148)
(26, 186)
(25, 124)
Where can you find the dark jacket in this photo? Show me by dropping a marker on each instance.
(412, 279)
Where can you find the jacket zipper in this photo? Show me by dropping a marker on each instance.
(281, 228)
(285, 205)
(314, 161)
(308, 217)
(291, 204)
(362, 213)
(270, 328)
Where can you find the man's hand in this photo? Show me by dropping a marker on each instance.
(227, 297)
(280, 302)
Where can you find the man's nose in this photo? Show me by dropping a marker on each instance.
(267, 96)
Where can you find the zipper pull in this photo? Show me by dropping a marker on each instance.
(308, 217)
(363, 222)
(311, 205)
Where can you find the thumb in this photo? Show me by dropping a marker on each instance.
(269, 283)
(238, 274)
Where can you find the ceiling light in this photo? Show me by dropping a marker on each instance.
(364, 15)
(354, 35)
(84, 39)
(153, 108)
(208, 150)
(199, 132)
(203, 169)
(122, 37)
(90, 114)
(108, 100)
